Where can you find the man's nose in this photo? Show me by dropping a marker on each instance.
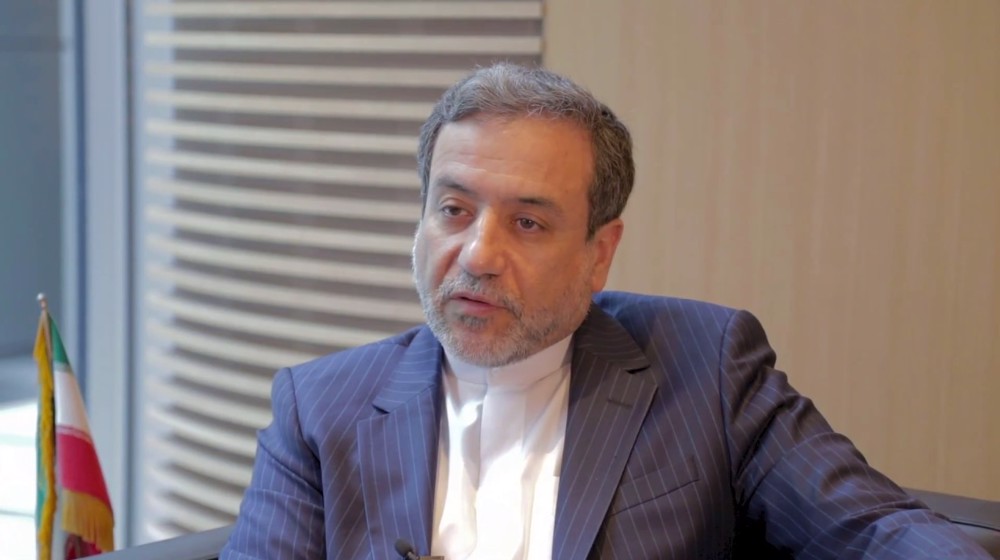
(484, 250)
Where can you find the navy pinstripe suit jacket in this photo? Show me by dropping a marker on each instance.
(682, 441)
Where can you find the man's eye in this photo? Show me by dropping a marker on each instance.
(528, 224)
(451, 211)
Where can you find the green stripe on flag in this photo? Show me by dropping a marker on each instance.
(59, 360)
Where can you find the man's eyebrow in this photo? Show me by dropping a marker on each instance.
(449, 183)
(545, 203)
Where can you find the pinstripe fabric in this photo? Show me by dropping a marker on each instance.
(682, 441)
(349, 429)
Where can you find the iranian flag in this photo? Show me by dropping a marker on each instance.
(73, 515)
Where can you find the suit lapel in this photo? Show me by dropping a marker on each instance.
(607, 405)
(398, 450)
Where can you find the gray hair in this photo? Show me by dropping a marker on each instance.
(510, 90)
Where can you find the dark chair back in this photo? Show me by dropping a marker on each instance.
(980, 519)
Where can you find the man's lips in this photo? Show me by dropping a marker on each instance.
(475, 304)
(473, 298)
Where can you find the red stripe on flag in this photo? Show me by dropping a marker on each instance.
(75, 432)
(79, 469)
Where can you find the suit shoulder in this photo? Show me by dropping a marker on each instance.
(630, 306)
(684, 323)
(649, 317)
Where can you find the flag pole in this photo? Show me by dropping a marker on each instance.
(45, 513)
(43, 302)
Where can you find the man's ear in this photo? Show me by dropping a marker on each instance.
(604, 244)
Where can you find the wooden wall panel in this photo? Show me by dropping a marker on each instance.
(835, 168)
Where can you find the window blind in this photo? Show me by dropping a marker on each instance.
(277, 199)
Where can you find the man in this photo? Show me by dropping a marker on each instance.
(531, 418)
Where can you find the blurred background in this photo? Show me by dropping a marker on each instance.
(208, 191)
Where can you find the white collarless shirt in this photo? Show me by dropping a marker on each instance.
(499, 457)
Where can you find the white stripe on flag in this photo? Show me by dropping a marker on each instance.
(69, 404)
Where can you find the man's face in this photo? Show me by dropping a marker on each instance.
(501, 258)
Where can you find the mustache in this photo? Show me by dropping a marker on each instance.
(479, 288)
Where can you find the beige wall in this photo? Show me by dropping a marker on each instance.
(835, 168)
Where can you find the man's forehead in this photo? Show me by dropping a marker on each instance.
(524, 141)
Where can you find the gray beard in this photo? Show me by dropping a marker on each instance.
(515, 345)
(527, 335)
